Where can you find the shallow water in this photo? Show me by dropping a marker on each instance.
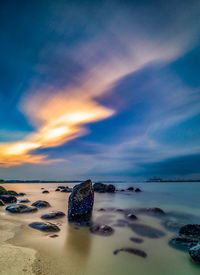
(77, 251)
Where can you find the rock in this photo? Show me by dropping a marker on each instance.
(151, 211)
(121, 223)
(42, 187)
(131, 216)
(146, 231)
(136, 240)
(41, 204)
(137, 190)
(2, 203)
(102, 230)
(11, 192)
(101, 209)
(53, 236)
(8, 198)
(122, 190)
(103, 188)
(110, 188)
(80, 203)
(57, 189)
(24, 201)
(195, 253)
(190, 231)
(45, 191)
(182, 243)
(99, 187)
(20, 209)
(130, 188)
(62, 187)
(66, 190)
(172, 226)
(47, 227)
(119, 210)
(53, 215)
(3, 191)
(134, 251)
(21, 194)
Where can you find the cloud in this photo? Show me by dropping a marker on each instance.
(61, 113)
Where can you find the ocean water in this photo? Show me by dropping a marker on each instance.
(77, 251)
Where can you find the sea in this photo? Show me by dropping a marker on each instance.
(77, 251)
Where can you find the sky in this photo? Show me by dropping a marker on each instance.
(99, 89)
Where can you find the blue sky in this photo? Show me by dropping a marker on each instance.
(100, 89)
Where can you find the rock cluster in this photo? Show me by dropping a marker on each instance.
(189, 240)
(104, 188)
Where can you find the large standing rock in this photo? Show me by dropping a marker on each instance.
(80, 203)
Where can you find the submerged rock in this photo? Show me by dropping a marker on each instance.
(121, 223)
(136, 240)
(190, 231)
(102, 230)
(2, 203)
(137, 190)
(182, 243)
(24, 201)
(41, 204)
(134, 251)
(20, 209)
(3, 191)
(172, 226)
(81, 202)
(47, 227)
(151, 211)
(146, 231)
(53, 215)
(195, 253)
(8, 198)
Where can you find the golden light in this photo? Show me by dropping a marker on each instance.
(52, 134)
(20, 148)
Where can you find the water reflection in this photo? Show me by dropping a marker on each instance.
(78, 245)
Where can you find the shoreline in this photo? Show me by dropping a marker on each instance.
(14, 259)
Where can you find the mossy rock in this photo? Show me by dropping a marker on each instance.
(11, 192)
(3, 191)
(2, 203)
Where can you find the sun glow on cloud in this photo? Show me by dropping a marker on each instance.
(60, 119)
